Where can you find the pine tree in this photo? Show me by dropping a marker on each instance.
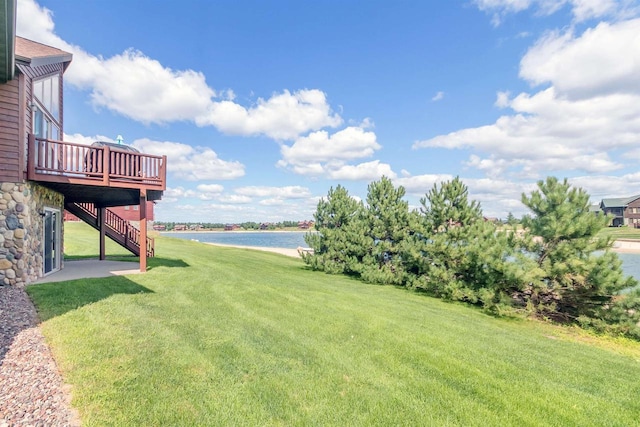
(339, 241)
(574, 279)
(387, 225)
(441, 243)
(449, 206)
(461, 256)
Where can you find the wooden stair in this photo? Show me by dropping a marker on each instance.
(117, 228)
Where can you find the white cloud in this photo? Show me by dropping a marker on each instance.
(496, 196)
(192, 164)
(587, 9)
(368, 171)
(501, 8)
(283, 116)
(272, 202)
(367, 123)
(130, 83)
(210, 188)
(35, 22)
(603, 186)
(234, 199)
(77, 138)
(347, 144)
(309, 169)
(287, 192)
(572, 128)
(143, 89)
(324, 154)
(582, 10)
(502, 99)
(438, 96)
(421, 184)
(177, 192)
(209, 191)
(632, 154)
(604, 60)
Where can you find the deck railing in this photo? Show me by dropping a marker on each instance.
(58, 161)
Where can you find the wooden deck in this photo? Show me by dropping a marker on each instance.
(77, 164)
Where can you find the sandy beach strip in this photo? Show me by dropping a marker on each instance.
(621, 246)
(282, 251)
(627, 246)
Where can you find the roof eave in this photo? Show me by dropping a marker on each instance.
(46, 60)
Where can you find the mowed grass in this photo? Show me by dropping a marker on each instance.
(621, 232)
(82, 242)
(221, 336)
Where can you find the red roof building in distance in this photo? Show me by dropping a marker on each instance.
(305, 225)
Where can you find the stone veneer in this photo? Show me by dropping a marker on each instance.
(21, 228)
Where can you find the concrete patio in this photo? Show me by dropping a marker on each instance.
(90, 268)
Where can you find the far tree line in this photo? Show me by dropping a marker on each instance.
(247, 225)
(553, 266)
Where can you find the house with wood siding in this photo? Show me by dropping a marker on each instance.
(41, 175)
(625, 211)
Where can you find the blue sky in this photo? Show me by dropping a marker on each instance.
(262, 106)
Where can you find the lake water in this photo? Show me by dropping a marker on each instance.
(631, 264)
(270, 239)
(293, 239)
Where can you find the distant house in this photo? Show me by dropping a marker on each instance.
(231, 227)
(159, 227)
(305, 225)
(179, 227)
(625, 211)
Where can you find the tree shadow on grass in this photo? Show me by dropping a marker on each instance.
(57, 298)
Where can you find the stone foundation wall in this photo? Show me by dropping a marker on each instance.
(21, 230)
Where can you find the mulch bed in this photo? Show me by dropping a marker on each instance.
(31, 389)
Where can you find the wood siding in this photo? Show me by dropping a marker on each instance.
(132, 213)
(10, 132)
(632, 214)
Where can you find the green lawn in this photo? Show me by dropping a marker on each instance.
(223, 336)
(82, 241)
(621, 232)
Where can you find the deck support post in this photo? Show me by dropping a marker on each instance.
(143, 230)
(101, 225)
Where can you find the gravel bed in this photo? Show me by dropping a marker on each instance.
(31, 390)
